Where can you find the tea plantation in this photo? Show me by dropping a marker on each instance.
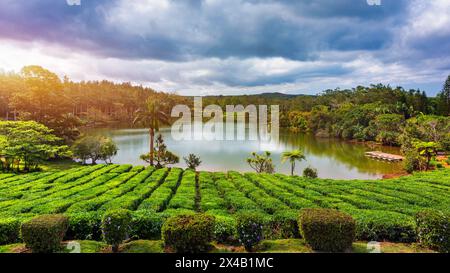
(383, 209)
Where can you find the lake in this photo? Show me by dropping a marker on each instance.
(332, 158)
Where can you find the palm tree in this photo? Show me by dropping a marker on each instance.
(293, 156)
(151, 115)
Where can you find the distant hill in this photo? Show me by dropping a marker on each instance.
(272, 95)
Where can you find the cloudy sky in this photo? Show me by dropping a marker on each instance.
(199, 47)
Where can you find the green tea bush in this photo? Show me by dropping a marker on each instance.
(44, 234)
(327, 230)
(284, 225)
(249, 227)
(9, 231)
(433, 230)
(116, 227)
(225, 229)
(84, 226)
(189, 233)
(373, 225)
(146, 225)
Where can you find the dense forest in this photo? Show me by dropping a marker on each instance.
(391, 116)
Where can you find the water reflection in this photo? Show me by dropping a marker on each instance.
(332, 158)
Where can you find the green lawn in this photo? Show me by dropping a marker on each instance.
(266, 246)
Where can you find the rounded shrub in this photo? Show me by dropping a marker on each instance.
(284, 224)
(146, 225)
(44, 234)
(310, 172)
(327, 230)
(225, 229)
(9, 231)
(84, 226)
(433, 230)
(249, 226)
(189, 233)
(116, 227)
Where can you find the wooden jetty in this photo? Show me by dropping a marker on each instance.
(384, 156)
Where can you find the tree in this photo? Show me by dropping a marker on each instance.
(151, 115)
(261, 163)
(94, 148)
(192, 161)
(43, 100)
(27, 144)
(161, 155)
(444, 99)
(427, 150)
(293, 156)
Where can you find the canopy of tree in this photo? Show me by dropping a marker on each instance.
(27, 144)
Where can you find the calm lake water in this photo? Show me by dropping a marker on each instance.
(331, 157)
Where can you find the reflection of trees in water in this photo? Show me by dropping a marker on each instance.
(352, 155)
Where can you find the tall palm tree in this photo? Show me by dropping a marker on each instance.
(151, 115)
(293, 156)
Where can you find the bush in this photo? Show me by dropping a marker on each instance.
(9, 231)
(327, 230)
(284, 225)
(250, 229)
(116, 227)
(43, 234)
(225, 229)
(373, 225)
(433, 230)
(146, 225)
(84, 226)
(188, 233)
(310, 173)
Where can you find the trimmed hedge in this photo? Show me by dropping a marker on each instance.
(373, 225)
(189, 233)
(44, 234)
(284, 225)
(146, 225)
(9, 231)
(433, 229)
(327, 230)
(116, 227)
(250, 229)
(85, 226)
(225, 229)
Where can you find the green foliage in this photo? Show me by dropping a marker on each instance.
(188, 233)
(225, 229)
(9, 231)
(373, 225)
(161, 155)
(94, 148)
(433, 229)
(116, 227)
(44, 234)
(192, 161)
(284, 225)
(293, 156)
(261, 163)
(146, 225)
(327, 230)
(84, 226)
(310, 172)
(28, 143)
(249, 227)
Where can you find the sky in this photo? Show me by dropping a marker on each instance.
(228, 47)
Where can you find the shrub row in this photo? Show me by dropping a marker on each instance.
(186, 192)
(160, 198)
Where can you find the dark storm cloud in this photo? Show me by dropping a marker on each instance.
(288, 29)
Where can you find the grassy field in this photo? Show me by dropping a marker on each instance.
(383, 209)
(266, 246)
